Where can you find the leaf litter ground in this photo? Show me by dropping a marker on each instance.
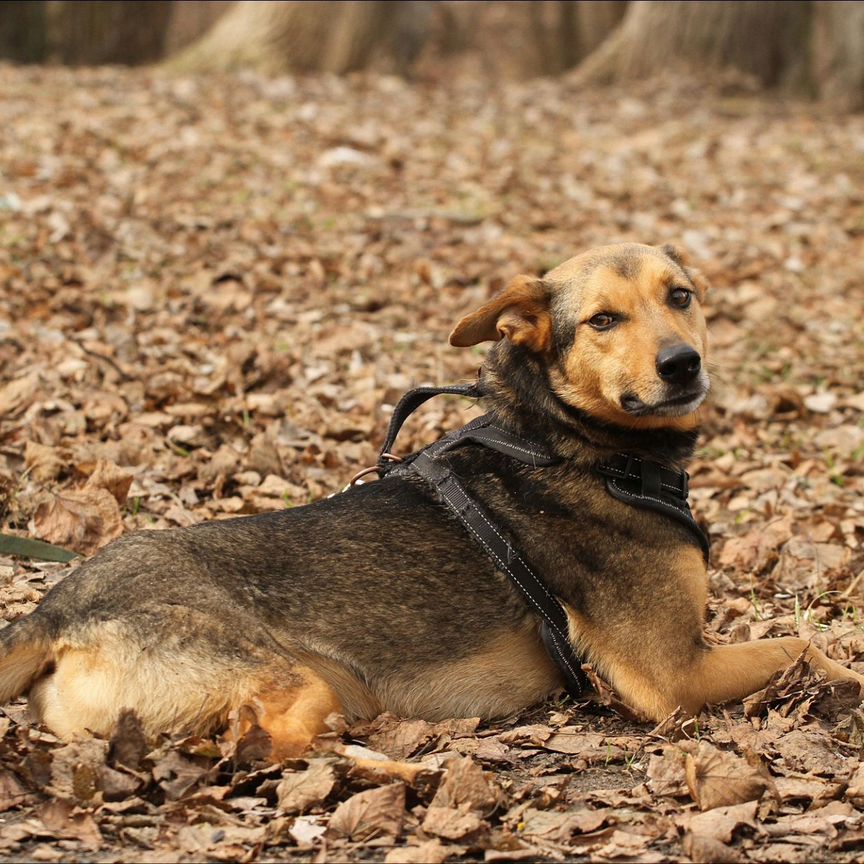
(213, 292)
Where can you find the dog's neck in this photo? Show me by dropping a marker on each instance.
(516, 386)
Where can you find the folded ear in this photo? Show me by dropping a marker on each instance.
(697, 277)
(519, 313)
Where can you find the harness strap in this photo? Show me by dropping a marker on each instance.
(413, 399)
(641, 483)
(636, 481)
(553, 618)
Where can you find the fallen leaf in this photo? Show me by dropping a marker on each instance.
(666, 772)
(370, 814)
(106, 475)
(128, 744)
(62, 820)
(716, 778)
(452, 823)
(428, 852)
(83, 520)
(44, 463)
(720, 823)
(466, 785)
(12, 792)
(300, 790)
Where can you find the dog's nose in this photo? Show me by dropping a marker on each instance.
(678, 364)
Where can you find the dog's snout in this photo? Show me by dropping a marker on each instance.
(678, 364)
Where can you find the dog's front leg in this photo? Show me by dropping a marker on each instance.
(725, 673)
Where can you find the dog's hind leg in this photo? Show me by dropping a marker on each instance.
(292, 710)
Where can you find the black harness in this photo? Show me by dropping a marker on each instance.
(635, 481)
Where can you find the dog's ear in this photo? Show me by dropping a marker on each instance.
(519, 313)
(697, 277)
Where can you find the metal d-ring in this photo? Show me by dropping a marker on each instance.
(373, 469)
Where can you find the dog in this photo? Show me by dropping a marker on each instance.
(377, 599)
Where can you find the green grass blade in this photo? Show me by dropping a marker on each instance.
(24, 547)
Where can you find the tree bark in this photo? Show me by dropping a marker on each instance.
(764, 39)
(564, 32)
(190, 19)
(838, 53)
(22, 32)
(89, 32)
(338, 37)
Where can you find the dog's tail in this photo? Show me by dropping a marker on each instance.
(26, 651)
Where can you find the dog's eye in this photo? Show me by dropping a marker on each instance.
(680, 297)
(602, 321)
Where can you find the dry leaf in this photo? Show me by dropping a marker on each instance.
(128, 744)
(17, 394)
(61, 820)
(716, 778)
(76, 769)
(720, 823)
(83, 520)
(298, 791)
(370, 814)
(44, 463)
(12, 792)
(452, 823)
(467, 786)
(106, 475)
(428, 852)
(666, 773)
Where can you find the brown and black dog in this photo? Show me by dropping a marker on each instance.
(378, 600)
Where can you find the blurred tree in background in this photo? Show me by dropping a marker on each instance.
(803, 46)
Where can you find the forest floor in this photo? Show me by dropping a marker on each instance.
(212, 291)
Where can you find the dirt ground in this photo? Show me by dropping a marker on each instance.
(212, 292)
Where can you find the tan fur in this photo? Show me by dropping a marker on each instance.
(600, 366)
(672, 668)
(23, 664)
(293, 716)
(356, 698)
(520, 313)
(643, 635)
(95, 679)
(514, 671)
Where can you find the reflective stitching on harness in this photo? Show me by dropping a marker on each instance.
(649, 498)
(503, 565)
(542, 454)
(513, 576)
(562, 654)
(622, 474)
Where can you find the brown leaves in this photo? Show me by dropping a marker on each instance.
(82, 519)
(464, 798)
(298, 791)
(371, 814)
(88, 518)
(247, 365)
(718, 779)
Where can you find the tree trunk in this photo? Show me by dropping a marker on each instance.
(314, 36)
(22, 31)
(89, 32)
(597, 19)
(190, 19)
(838, 53)
(564, 32)
(764, 39)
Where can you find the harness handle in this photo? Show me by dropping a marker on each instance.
(410, 402)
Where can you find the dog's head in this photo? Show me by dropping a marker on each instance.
(620, 330)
